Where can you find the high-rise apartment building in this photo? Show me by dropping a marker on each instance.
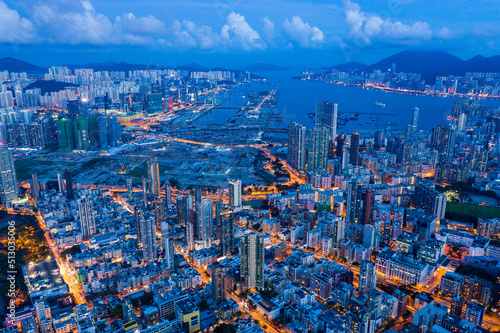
(87, 215)
(252, 260)
(8, 180)
(317, 157)
(367, 277)
(296, 146)
(326, 115)
(235, 195)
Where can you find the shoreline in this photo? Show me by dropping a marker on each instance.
(403, 91)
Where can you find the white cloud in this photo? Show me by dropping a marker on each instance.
(238, 33)
(189, 35)
(73, 24)
(268, 30)
(302, 33)
(140, 25)
(365, 28)
(13, 27)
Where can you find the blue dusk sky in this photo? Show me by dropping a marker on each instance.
(234, 33)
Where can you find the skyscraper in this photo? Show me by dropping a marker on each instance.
(218, 287)
(429, 199)
(367, 277)
(354, 195)
(65, 135)
(197, 195)
(414, 118)
(447, 148)
(184, 206)
(81, 132)
(226, 233)
(70, 192)
(204, 221)
(87, 215)
(8, 184)
(168, 194)
(60, 182)
(168, 245)
(235, 195)
(296, 146)
(35, 185)
(354, 149)
(130, 188)
(368, 206)
(318, 149)
(326, 115)
(252, 260)
(148, 235)
(154, 178)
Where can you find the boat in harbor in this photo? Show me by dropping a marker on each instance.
(310, 115)
(379, 104)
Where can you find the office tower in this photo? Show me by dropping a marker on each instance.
(457, 304)
(218, 287)
(296, 146)
(414, 118)
(379, 138)
(130, 189)
(159, 213)
(252, 260)
(184, 206)
(138, 215)
(197, 195)
(168, 195)
(317, 157)
(204, 221)
(368, 205)
(81, 132)
(87, 215)
(339, 149)
(429, 199)
(148, 236)
(370, 236)
(436, 136)
(168, 245)
(475, 313)
(60, 182)
(345, 158)
(235, 195)
(226, 235)
(190, 233)
(8, 185)
(154, 178)
(144, 192)
(447, 148)
(70, 192)
(354, 149)
(35, 186)
(338, 231)
(353, 209)
(326, 115)
(461, 121)
(367, 277)
(65, 135)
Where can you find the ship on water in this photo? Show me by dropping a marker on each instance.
(379, 104)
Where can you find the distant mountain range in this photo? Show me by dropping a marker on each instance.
(15, 65)
(429, 64)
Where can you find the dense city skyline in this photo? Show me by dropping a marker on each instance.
(157, 198)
